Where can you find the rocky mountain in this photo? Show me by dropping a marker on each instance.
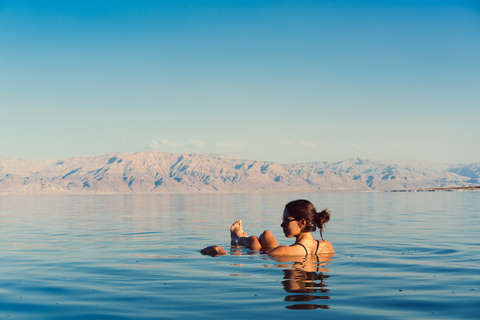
(471, 171)
(151, 171)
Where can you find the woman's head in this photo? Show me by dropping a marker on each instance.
(304, 210)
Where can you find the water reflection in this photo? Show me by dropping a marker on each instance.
(305, 279)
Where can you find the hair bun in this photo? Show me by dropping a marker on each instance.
(323, 216)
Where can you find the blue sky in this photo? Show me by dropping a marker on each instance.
(284, 81)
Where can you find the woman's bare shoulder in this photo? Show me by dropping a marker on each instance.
(287, 251)
(325, 247)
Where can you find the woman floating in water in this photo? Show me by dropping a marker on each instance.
(300, 219)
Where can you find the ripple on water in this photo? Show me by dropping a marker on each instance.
(116, 258)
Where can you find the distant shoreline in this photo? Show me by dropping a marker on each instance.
(58, 193)
(473, 188)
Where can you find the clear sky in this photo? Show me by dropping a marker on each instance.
(283, 81)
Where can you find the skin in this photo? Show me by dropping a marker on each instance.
(213, 251)
(267, 243)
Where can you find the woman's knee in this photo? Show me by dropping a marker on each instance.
(254, 243)
(268, 241)
(266, 234)
(253, 239)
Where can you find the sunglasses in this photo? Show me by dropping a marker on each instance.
(287, 221)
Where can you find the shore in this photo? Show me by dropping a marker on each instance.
(473, 188)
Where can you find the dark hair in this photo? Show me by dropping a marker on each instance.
(304, 209)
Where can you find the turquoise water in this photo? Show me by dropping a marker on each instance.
(398, 256)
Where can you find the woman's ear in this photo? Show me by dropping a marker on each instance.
(302, 223)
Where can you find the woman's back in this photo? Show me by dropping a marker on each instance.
(316, 247)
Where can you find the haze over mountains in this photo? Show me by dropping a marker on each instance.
(160, 172)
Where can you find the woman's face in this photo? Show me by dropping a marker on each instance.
(290, 226)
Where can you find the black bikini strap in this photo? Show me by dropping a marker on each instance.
(318, 243)
(303, 247)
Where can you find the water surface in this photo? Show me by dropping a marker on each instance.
(398, 256)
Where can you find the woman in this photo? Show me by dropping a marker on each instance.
(300, 219)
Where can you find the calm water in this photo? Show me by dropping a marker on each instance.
(398, 256)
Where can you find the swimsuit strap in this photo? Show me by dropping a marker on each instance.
(318, 243)
(302, 246)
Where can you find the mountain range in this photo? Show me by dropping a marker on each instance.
(160, 172)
